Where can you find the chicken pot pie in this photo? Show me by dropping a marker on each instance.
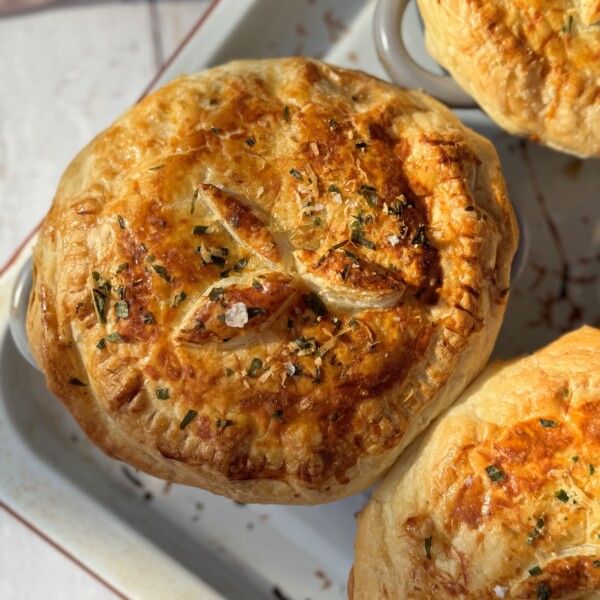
(265, 279)
(533, 66)
(501, 497)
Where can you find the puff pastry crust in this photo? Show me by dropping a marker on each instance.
(500, 498)
(270, 276)
(533, 66)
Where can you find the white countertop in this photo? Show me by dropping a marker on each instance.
(66, 72)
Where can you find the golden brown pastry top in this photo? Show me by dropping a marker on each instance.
(501, 497)
(533, 66)
(262, 273)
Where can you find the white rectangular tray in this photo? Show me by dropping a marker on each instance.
(151, 540)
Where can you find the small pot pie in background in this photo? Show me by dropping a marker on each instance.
(501, 497)
(267, 278)
(534, 66)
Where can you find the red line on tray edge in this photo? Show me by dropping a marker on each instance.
(18, 251)
(64, 552)
(179, 48)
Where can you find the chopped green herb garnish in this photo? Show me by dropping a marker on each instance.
(310, 344)
(317, 222)
(534, 571)
(398, 208)
(121, 221)
(254, 367)
(277, 415)
(122, 267)
(113, 337)
(240, 265)
(101, 344)
(548, 423)
(592, 469)
(575, 459)
(156, 168)
(162, 272)
(212, 101)
(216, 294)
(358, 237)
(334, 189)
(222, 423)
(333, 123)
(296, 174)
(561, 495)
(99, 300)
(566, 393)
(179, 298)
(369, 193)
(149, 258)
(78, 382)
(96, 275)
(194, 198)
(162, 393)
(360, 220)
(256, 284)
(338, 246)
(105, 286)
(428, 546)
(420, 239)
(250, 142)
(360, 145)
(200, 229)
(346, 271)
(314, 302)
(215, 130)
(566, 28)
(543, 592)
(495, 474)
(122, 309)
(189, 417)
(148, 318)
(286, 113)
(535, 532)
(255, 311)
(228, 371)
(596, 563)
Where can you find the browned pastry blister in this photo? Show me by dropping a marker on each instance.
(267, 278)
(533, 66)
(500, 498)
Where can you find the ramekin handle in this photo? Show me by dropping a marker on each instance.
(400, 65)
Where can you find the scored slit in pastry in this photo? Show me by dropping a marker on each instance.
(500, 498)
(267, 278)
